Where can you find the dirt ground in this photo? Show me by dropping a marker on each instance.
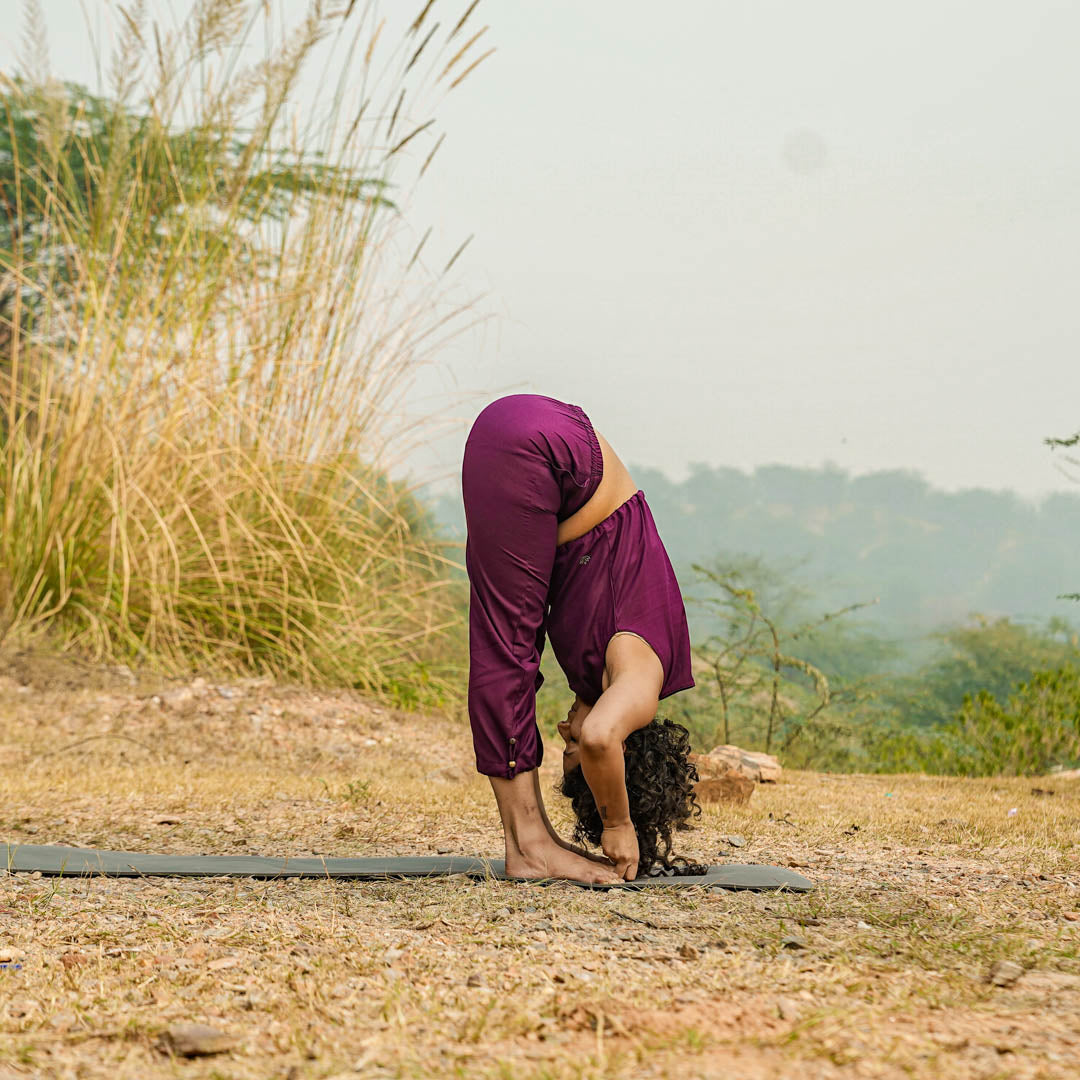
(923, 885)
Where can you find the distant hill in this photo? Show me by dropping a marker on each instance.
(932, 557)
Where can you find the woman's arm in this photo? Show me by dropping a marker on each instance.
(627, 704)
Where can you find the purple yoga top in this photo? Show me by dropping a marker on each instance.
(617, 576)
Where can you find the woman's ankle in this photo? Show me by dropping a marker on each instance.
(527, 839)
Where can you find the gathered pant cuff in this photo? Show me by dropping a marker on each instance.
(505, 769)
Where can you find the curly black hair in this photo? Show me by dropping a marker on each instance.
(660, 786)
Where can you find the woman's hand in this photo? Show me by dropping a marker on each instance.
(620, 845)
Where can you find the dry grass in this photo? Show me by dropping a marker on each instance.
(207, 327)
(494, 979)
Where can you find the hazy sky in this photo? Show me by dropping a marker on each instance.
(757, 232)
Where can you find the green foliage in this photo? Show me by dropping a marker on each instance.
(1035, 731)
(356, 791)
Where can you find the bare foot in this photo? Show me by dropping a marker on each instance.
(591, 856)
(553, 861)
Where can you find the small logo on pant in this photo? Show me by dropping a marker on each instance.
(584, 559)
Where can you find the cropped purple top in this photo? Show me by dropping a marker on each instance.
(617, 576)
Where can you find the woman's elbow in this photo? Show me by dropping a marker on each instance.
(597, 742)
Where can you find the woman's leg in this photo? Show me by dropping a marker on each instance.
(512, 499)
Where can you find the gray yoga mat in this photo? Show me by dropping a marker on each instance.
(76, 862)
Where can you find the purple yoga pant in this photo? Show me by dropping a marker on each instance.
(530, 462)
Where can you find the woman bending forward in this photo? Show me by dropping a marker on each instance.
(561, 545)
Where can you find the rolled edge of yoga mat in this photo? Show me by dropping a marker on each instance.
(79, 862)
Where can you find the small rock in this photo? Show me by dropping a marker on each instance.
(197, 1040)
(736, 840)
(1004, 973)
(688, 952)
(718, 782)
(1071, 916)
(168, 819)
(864, 925)
(393, 954)
(226, 691)
(754, 765)
(443, 850)
(475, 979)
(793, 941)
(787, 1009)
(9, 955)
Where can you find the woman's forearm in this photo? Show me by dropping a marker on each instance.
(605, 772)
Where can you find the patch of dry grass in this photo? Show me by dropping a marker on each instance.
(922, 883)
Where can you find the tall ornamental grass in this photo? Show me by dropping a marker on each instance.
(209, 302)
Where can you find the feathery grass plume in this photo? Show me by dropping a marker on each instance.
(421, 47)
(421, 17)
(461, 22)
(475, 64)
(34, 56)
(454, 257)
(434, 150)
(461, 52)
(205, 329)
(128, 54)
